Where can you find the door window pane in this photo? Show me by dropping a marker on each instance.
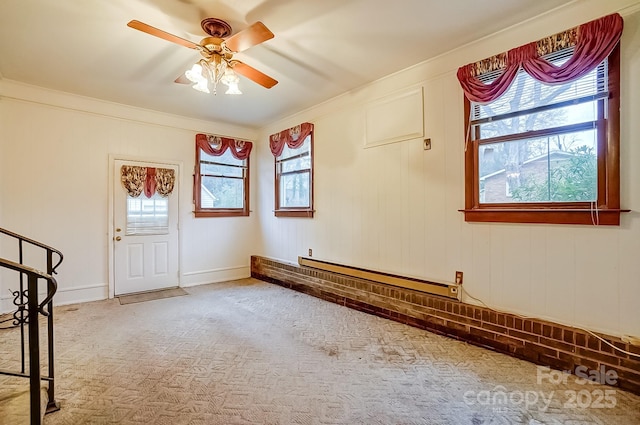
(147, 216)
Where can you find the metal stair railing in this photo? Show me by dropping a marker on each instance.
(27, 314)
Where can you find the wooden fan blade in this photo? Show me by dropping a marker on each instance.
(248, 37)
(141, 26)
(182, 80)
(253, 74)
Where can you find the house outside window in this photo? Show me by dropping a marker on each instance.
(221, 181)
(544, 151)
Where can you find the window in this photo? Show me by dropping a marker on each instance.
(148, 189)
(147, 216)
(222, 177)
(545, 153)
(293, 152)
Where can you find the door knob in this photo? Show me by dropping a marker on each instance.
(117, 238)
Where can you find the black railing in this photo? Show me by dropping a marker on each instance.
(27, 316)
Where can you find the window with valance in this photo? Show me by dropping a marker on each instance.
(542, 129)
(293, 152)
(221, 180)
(149, 180)
(147, 205)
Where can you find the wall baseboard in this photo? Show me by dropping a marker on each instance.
(202, 277)
(541, 342)
(97, 292)
(64, 296)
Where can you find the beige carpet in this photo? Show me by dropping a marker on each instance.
(151, 296)
(248, 352)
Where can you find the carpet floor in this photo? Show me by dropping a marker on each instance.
(249, 352)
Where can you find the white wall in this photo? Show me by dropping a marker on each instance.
(54, 175)
(395, 208)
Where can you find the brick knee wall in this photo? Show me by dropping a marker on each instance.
(541, 342)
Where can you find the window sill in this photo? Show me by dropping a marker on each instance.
(223, 213)
(608, 217)
(294, 213)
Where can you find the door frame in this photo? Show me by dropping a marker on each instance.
(111, 217)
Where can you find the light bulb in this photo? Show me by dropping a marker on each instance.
(201, 86)
(233, 88)
(229, 77)
(195, 73)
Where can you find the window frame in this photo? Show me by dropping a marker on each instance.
(294, 211)
(608, 154)
(219, 212)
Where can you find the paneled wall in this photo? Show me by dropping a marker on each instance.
(395, 207)
(54, 169)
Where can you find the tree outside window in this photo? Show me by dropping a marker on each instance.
(542, 125)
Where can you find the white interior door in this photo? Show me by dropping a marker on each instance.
(145, 239)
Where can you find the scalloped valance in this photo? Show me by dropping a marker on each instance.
(293, 137)
(149, 180)
(217, 145)
(592, 43)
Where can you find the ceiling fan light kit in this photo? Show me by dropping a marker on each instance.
(217, 65)
(205, 73)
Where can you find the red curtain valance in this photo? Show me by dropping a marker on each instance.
(593, 41)
(293, 137)
(149, 180)
(217, 145)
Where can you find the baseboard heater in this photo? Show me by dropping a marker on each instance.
(449, 290)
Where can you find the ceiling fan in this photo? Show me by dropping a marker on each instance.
(217, 50)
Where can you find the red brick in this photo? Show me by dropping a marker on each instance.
(555, 362)
(485, 316)
(634, 349)
(578, 361)
(627, 375)
(524, 336)
(568, 336)
(505, 339)
(540, 349)
(494, 328)
(518, 323)
(482, 333)
(596, 355)
(630, 364)
(537, 328)
(463, 329)
(528, 326)
(570, 348)
(593, 343)
(509, 320)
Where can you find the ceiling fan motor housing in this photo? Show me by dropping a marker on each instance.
(216, 27)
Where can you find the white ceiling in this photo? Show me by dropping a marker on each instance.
(322, 48)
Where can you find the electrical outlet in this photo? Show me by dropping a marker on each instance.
(426, 144)
(310, 252)
(459, 277)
